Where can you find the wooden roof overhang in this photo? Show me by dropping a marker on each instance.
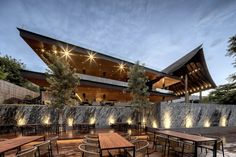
(97, 89)
(102, 66)
(194, 66)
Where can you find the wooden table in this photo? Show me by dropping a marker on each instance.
(110, 141)
(16, 143)
(194, 138)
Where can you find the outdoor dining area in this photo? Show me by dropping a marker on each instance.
(112, 142)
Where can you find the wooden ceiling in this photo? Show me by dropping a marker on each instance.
(194, 66)
(101, 65)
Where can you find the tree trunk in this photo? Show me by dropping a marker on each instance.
(59, 120)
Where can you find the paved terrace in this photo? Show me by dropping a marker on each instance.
(69, 141)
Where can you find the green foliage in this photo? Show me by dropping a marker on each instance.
(232, 53)
(10, 68)
(3, 75)
(10, 71)
(63, 81)
(137, 86)
(224, 94)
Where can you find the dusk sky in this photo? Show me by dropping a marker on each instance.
(154, 32)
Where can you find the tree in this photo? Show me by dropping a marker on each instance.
(63, 81)
(232, 53)
(138, 88)
(224, 94)
(3, 75)
(11, 67)
(10, 70)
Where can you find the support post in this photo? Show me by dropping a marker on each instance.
(200, 96)
(186, 89)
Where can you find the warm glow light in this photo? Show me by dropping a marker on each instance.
(144, 121)
(167, 120)
(21, 122)
(121, 67)
(189, 121)
(154, 124)
(111, 120)
(207, 123)
(129, 121)
(46, 120)
(92, 120)
(91, 57)
(78, 97)
(66, 51)
(129, 131)
(70, 121)
(223, 121)
(42, 50)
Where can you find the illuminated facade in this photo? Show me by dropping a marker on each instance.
(104, 77)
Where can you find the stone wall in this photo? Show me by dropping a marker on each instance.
(9, 90)
(181, 115)
(165, 115)
(37, 114)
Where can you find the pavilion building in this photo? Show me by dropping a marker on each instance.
(103, 77)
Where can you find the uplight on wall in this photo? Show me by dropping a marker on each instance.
(144, 121)
(70, 121)
(21, 121)
(46, 120)
(111, 120)
(223, 121)
(129, 131)
(154, 124)
(92, 120)
(129, 121)
(207, 123)
(189, 121)
(167, 120)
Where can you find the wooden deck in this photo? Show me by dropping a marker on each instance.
(69, 141)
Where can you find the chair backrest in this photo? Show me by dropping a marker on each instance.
(89, 150)
(91, 136)
(43, 148)
(141, 146)
(150, 136)
(173, 142)
(161, 139)
(189, 147)
(93, 141)
(28, 153)
(133, 139)
(53, 141)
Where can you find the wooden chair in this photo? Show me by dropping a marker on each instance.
(141, 148)
(43, 149)
(91, 136)
(161, 140)
(27, 152)
(88, 140)
(175, 145)
(89, 150)
(210, 145)
(53, 144)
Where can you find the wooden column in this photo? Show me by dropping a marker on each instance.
(186, 89)
(200, 96)
(163, 87)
